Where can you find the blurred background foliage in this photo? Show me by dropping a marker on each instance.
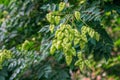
(25, 40)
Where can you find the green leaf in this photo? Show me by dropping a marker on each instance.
(52, 28)
(81, 66)
(52, 49)
(87, 62)
(68, 59)
(77, 15)
(61, 6)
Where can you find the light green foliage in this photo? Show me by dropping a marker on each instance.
(57, 19)
(82, 62)
(27, 45)
(68, 59)
(50, 17)
(92, 33)
(52, 28)
(63, 41)
(61, 6)
(77, 15)
(67, 37)
(4, 56)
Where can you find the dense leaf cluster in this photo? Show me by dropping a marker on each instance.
(72, 29)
